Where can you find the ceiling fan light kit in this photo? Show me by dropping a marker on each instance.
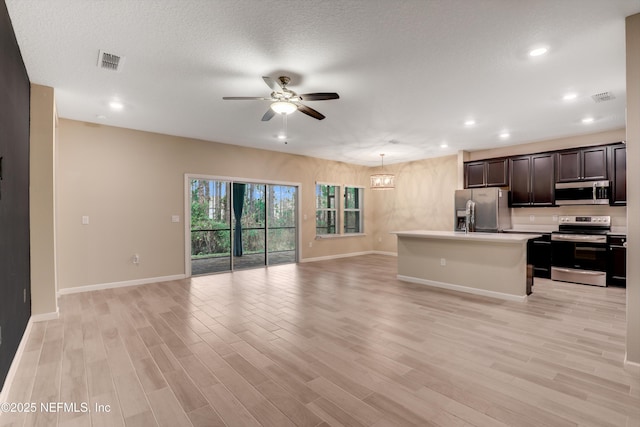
(382, 181)
(284, 107)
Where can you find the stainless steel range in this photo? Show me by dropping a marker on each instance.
(579, 250)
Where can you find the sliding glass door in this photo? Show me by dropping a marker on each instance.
(238, 225)
(282, 231)
(210, 226)
(250, 226)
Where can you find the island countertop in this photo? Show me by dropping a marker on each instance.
(475, 236)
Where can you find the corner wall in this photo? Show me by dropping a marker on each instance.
(15, 307)
(633, 188)
(423, 199)
(42, 203)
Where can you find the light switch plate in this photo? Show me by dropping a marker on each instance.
(175, 218)
(85, 220)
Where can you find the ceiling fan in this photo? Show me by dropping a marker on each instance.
(285, 101)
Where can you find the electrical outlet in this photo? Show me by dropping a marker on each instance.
(310, 244)
(136, 259)
(175, 218)
(555, 218)
(443, 262)
(85, 220)
(532, 218)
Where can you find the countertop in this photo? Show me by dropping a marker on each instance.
(478, 237)
(538, 229)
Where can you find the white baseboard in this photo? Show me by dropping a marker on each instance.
(45, 317)
(4, 393)
(395, 254)
(330, 257)
(628, 365)
(126, 283)
(460, 288)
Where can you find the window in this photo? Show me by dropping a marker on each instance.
(327, 209)
(353, 209)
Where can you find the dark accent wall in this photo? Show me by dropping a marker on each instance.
(14, 194)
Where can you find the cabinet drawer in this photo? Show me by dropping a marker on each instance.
(617, 240)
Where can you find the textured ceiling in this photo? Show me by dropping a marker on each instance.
(409, 72)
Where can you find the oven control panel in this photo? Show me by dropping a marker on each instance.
(598, 221)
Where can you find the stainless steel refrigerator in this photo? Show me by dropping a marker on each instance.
(492, 214)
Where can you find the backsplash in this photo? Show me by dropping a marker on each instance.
(528, 217)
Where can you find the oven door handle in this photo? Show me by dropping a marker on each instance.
(578, 238)
(583, 272)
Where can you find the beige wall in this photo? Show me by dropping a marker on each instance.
(42, 200)
(633, 188)
(130, 183)
(423, 199)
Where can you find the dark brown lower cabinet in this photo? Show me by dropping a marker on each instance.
(539, 255)
(617, 269)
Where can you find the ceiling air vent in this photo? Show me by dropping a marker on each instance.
(603, 96)
(110, 61)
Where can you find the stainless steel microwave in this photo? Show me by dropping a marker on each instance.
(582, 193)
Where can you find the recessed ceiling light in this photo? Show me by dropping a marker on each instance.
(470, 122)
(570, 96)
(101, 116)
(587, 120)
(538, 51)
(505, 135)
(116, 105)
(282, 136)
(444, 145)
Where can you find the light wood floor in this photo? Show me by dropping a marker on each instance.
(330, 343)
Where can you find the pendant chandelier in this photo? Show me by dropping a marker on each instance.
(383, 181)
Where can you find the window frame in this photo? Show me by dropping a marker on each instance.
(360, 209)
(335, 209)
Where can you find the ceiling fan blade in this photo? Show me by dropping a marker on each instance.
(268, 115)
(321, 96)
(310, 112)
(272, 83)
(245, 98)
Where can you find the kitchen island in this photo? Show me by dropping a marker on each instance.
(490, 264)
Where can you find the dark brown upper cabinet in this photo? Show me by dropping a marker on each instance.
(585, 164)
(486, 173)
(531, 180)
(618, 174)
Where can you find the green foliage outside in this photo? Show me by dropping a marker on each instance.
(211, 214)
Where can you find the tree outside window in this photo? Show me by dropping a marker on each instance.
(327, 209)
(353, 210)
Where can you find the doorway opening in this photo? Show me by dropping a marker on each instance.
(237, 225)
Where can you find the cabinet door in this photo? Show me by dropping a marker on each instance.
(594, 163)
(569, 166)
(618, 174)
(541, 257)
(497, 175)
(474, 175)
(519, 180)
(617, 270)
(542, 180)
